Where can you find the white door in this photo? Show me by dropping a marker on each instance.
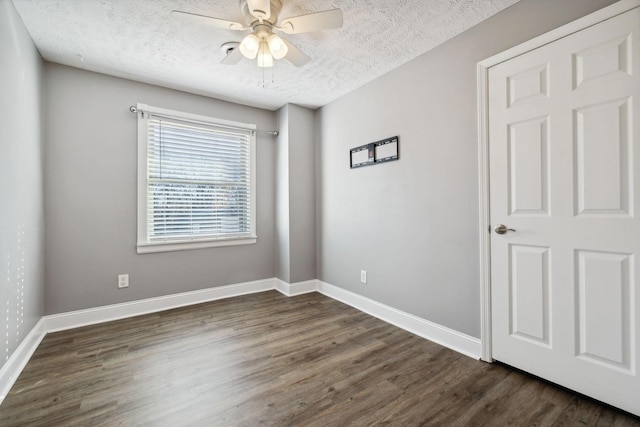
(564, 159)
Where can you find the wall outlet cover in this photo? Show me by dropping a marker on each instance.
(123, 281)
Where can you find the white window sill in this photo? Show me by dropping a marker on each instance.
(155, 247)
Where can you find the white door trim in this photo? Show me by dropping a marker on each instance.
(483, 147)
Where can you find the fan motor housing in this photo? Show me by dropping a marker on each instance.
(276, 7)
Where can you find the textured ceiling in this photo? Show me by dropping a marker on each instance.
(139, 40)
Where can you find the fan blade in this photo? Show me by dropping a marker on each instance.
(295, 55)
(261, 9)
(232, 58)
(312, 22)
(193, 18)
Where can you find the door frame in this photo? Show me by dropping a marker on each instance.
(483, 67)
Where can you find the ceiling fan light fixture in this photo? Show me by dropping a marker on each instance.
(262, 16)
(250, 46)
(265, 59)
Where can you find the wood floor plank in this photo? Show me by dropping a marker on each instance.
(266, 359)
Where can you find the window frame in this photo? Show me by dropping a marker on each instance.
(144, 245)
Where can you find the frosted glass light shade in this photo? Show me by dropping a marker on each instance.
(277, 46)
(265, 59)
(250, 46)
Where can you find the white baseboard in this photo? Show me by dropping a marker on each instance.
(298, 288)
(442, 335)
(18, 360)
(91, 316)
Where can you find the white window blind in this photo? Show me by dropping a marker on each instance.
(198, 182)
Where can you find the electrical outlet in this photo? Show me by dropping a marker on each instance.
(363, 276)
(123, 281)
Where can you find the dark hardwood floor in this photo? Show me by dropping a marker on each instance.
(266, 359)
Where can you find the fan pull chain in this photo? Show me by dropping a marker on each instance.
(273, 76)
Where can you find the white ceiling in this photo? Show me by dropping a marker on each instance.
(139, 40)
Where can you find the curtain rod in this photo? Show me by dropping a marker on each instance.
(267, 132)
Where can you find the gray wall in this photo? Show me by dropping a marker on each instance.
(90, 202)
(295, 196)
(302, 200)
(21, 217)
(413, 223)
(283, 248)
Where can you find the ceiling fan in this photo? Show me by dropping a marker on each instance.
(262, 43)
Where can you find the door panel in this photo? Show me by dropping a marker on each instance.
(602, 139)
(529, 85)
(564, 174)
(528, 167)
(529, 288)
(606, 59)
(604, 312)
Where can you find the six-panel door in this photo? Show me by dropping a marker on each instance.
(564, 173)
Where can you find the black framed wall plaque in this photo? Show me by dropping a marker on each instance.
(376, 152)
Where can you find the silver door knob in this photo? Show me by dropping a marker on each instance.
(501, 229)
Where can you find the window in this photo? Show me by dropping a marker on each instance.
(196, 181)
